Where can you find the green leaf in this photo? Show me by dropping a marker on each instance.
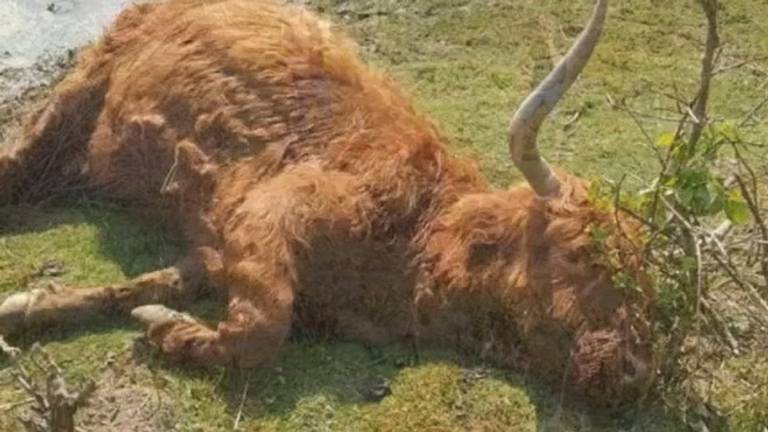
(736, 208)
(698, 192)
(691, 190)
(665, 140)
(717, 193)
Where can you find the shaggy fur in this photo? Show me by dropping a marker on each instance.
(312, 191)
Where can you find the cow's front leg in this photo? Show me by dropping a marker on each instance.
(257, 323)
(61, 306)
(261, 240)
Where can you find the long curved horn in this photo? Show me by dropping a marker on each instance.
(525, 124)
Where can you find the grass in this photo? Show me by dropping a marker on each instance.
(468, 63)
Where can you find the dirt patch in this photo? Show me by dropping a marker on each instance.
(122, 395)
(128, 399)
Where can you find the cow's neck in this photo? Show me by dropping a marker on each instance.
(460, 300)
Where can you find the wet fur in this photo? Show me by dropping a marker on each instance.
(313, 192)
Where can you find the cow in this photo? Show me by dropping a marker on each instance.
(310, 190)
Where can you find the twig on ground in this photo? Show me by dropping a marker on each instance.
(239, 415)
(14, 405)
(718, 323)
(53, 404)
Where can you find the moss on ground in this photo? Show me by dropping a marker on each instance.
(740, 392)
(468, 63)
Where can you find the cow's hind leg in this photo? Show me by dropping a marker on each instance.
(44, 308)
(49, 153)
(261, 242)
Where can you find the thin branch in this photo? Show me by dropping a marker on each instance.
(54, 404)
(739, 63)
(707, 69)
(12, 406)
(634, 116)
(754, 111)
(699, 277)
(761, 226)
(720, 325)
(744, 285)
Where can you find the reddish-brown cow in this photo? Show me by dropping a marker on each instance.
(310, 189)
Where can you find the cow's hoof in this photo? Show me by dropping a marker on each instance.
(157, 315)
(13, 311)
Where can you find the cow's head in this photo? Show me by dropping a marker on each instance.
(586, 295)
(584, 254)
(555, 285)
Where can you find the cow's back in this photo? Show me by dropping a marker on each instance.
(255, 86)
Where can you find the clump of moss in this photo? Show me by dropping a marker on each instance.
(740, 391)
